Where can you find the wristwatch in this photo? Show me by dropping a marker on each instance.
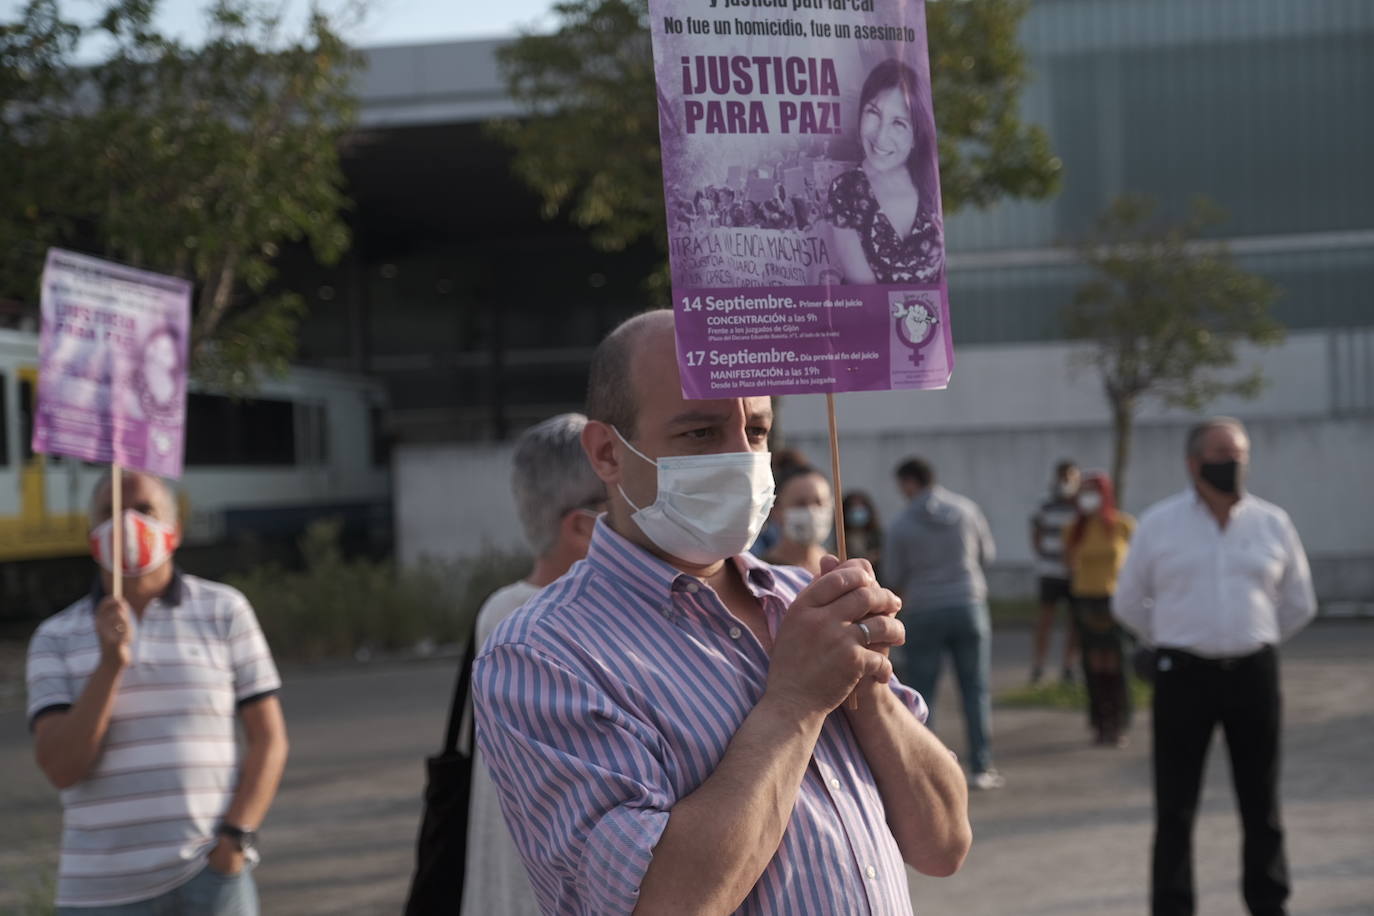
(246, 840)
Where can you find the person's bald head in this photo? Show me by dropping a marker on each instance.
(140, 492)
(611, 381)
(635, 394)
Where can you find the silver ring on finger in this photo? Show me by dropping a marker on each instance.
(868, 634)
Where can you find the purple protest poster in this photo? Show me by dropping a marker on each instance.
(112, 364)
(800, 171)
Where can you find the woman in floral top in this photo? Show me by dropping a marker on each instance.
(886, 211)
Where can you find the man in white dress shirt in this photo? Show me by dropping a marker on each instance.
(558, 497)
(1215, 580)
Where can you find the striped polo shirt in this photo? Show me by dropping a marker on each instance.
(614, 693)
(143, 820)
(1052, 520)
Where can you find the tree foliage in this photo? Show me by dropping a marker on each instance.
(36, 85)
(201, 162)
(589, 146)
(1165, 312)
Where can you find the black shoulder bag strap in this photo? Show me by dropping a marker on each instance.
(441, 848)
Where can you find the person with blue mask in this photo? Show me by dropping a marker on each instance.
(785, 461)
(863, 532)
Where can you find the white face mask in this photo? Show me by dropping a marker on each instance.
(709, 507)
(807, 524)
(1089, 502)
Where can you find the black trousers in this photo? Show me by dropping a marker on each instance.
(1192, 695)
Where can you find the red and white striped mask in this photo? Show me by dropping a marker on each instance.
(148, 543)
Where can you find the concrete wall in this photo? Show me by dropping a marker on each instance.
(452, 500)
(1317, 469)
(1010, 413)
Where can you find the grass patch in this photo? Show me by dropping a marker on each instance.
(337, 607)
(1058, 695)
(37, 892)
(1013, 611)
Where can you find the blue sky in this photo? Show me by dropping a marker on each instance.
(386, 21)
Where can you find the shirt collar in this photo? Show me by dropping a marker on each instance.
(757, 574)
(655, 580)
(171, 595)
(1198, 501)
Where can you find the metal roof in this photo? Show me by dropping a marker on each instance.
(442, 83)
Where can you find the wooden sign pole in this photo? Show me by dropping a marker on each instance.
(117, 529)
(841, 549)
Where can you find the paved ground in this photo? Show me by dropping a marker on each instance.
(1069, 835)
(1071, 832)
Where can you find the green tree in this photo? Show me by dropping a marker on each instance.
(35, 89)
(201, 162)
(589, 146)
(1164, 314)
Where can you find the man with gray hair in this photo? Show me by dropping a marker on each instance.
(132, 702)
(558, 497)
(1216, 578)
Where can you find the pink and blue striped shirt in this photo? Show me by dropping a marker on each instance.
(614, 693)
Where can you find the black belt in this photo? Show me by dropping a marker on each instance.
(1183, 658)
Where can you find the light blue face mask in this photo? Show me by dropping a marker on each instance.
(709, 507)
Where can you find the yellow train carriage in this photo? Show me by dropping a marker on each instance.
(37, 518)
(258, 468)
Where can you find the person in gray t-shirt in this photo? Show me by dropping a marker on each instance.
(933, 558)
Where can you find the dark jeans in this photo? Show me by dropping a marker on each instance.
(1193, 695)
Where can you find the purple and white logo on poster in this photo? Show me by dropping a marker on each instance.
(112, 364)
(916, 330)
(801, 177)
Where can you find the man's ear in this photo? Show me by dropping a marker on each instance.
(598, 441)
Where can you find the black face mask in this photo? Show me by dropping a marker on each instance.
(1223, 476)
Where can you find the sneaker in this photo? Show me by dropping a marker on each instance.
(988, 779)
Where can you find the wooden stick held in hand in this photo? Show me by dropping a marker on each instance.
(117, 529)
(841, 550)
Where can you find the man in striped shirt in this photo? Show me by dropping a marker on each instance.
(1048, 527)
(663, 722)
(132, 704)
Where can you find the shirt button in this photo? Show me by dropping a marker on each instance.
(693, 587)
(835, 784)
(666, 611)
(736, 632)
(871, 871)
